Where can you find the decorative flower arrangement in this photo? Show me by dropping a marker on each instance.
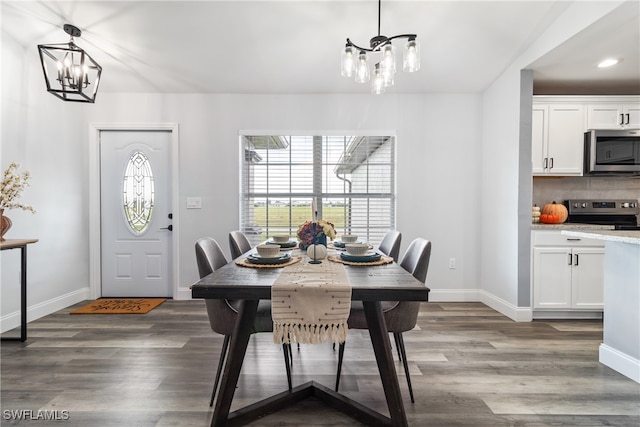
(12, 185)
(308, 233)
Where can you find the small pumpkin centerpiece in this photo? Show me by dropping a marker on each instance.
(554, 213)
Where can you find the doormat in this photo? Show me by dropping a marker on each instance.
(120, 306)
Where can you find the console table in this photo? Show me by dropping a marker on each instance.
(22, 245)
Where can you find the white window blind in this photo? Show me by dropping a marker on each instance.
(352, 177)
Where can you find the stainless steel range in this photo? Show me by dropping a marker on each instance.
(620, 213)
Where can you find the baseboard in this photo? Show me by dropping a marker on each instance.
(183, 294)
(519, 314)
(620, 362)
(36, 311)
(567, 314)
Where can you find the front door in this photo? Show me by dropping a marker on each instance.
(135, 203)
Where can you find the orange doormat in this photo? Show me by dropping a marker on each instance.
(120, 306)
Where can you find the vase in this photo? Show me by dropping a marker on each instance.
(5, 225)
(317, 251)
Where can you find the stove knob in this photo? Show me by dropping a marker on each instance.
(575, 205)
(584, 205)
(626, 205)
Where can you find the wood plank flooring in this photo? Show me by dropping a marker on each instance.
(470, 366)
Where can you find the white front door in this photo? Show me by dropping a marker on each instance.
(135, 203)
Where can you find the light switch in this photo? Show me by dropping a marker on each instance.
(194, 202)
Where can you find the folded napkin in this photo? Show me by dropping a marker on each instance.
(310, 304)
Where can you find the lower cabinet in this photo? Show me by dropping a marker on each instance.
(567, 273)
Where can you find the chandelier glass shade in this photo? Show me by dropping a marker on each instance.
(355, 61)
(69, 72)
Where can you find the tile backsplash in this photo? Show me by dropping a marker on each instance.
(548, 189)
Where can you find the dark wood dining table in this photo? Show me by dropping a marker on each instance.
(370, 284)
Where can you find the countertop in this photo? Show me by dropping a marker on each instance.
(623, 236)
(570, 226)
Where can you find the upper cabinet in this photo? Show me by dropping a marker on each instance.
(557, 139)
(613, 116)
(559, 124)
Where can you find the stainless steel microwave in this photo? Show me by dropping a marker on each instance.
(612, 152)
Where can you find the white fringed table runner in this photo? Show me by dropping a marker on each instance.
(310, 304)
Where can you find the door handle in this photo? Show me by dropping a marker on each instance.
(621, 119)
(551, 163)
(569, 259)
(627, 119)
(576, 262)
(544, 165)
(168, 227)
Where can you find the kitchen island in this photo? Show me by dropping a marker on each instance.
(620, 349)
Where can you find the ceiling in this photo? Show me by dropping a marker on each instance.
(294, 46)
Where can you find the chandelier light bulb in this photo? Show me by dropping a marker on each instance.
(348, 61)
(411, 62)
(377, 85)
(388, 62)
(362, 68)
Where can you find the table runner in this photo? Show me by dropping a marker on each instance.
(310, 304)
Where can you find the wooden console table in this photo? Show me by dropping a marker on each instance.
(22, 245)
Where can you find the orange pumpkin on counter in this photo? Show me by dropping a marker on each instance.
(554, 213)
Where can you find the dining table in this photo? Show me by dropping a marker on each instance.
(370, 284)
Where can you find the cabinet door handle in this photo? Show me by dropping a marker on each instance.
(569, 259)
(551, 163)
(573, 239)
(627, 119)
(576, 262)
(544, 163)
(621, 119)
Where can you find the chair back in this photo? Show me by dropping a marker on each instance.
(390, 244)
(416, 258)
(238, 243)
(209, 256)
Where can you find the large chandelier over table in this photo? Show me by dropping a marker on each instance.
(356, 63)
(69, 72)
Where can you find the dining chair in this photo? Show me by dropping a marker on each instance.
(390, 244)
(400, 316)
(238, 243)
(223, 313)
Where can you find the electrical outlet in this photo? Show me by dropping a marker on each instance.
(452, 263)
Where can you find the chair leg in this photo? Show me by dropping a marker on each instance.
(223, 355)
(395, 338)
(286, 349)
(400, 340)
(340, 357)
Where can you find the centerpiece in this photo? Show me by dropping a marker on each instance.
(10, 190)
(313, 233)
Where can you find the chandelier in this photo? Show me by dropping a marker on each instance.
(355, 61)
(69, 72)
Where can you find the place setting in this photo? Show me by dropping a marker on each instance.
(360, 254)
(268, 255)
(283, 240)
(340, 245)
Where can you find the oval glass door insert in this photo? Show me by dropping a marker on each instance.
(138, 192)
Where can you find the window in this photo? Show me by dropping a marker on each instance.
(351, 177)
(137, 194)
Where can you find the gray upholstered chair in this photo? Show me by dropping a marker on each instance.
(223, 313)
(238, 243)
(400, 316)
(390, 244)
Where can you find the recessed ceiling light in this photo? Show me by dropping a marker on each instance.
(608, 63)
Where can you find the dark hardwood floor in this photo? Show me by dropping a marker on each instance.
(470, 366)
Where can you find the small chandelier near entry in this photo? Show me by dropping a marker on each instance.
(72, 75)
(355, 61)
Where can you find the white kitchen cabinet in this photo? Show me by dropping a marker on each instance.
(557, 139)
(567, 273)
(613, 116)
